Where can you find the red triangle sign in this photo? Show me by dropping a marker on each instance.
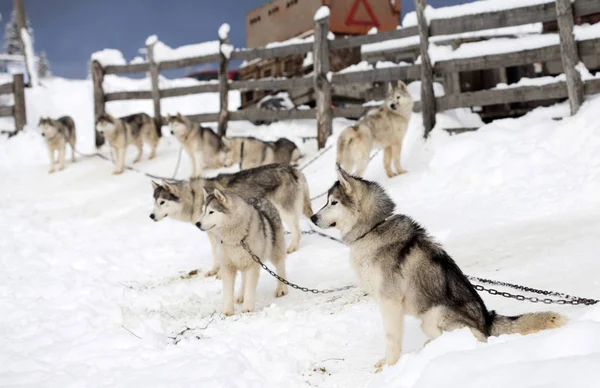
(350, 20)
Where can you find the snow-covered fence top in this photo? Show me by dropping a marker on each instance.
(17, 110)
(457, 20)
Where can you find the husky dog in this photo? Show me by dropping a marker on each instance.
(57, 134)
(284, 186)
(202, 144)
(406, 272)
(250, 152)
(134, 129)
(381, 128)
(257, 223)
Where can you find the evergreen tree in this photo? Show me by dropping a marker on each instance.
(12, 39)
(43, 66)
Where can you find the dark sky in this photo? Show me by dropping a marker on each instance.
(70, 30)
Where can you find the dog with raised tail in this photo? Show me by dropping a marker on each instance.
(407, 272)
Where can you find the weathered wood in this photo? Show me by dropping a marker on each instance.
(6, 111)
(271, 52)
(570, 56)
(21, 23)
(155, 92)
(6, 88)
(272, 115)
(132, 95)
(592, 86)
(322, 84)
(99, 98)
(184, 91)
(127, 69)
(204, 117)
(187, 62)
(360, 40)
(223, 86)
(586, 7)
(427, 96)
(272, 84)
(387, 74)
(452, 83)
(19, 110)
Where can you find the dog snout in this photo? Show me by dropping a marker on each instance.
(43, 134)
(393, 106)
(152, 217)
(172, 132)
(314, 218)
(199, 225)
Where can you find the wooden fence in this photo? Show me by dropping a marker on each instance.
(571, 52)
(17, 110)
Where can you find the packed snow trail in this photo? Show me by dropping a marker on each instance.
(91, 292)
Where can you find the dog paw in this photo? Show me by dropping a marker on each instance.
(279, 292)
(239, 299)
(117, 172)
(247, 309)
(212, 272)
(292, 248)
(228, 313)
(60, 168)
(390, 174)
(51, 171)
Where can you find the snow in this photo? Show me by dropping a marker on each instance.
(152, 39)
(364, 65)
(226, 50)
(322, 13)
(108, 57)
(224, 31)
(162, 52)
(29, 57)
(539, 81)
(90, 292)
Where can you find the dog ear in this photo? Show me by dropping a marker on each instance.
(226, 141)
(401, 85)
(169, 117)
(170, 187)
(179, 116)
(390, 87)
(344, 178)
(155, 185)
(220, 197)
(205, 193)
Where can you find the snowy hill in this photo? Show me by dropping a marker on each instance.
(91, 294)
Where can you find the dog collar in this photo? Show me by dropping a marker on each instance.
(370, 230)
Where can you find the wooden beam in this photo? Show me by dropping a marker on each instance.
(272, 115)
(155, 92)
(19, 110)
(99, 97)
(427, 96)
(570, 56)
(6, 88)
(187, 62)
(361, 40)
(133, 95)
(185, 90)
(6, 111)
(223, 83)
(272, 84)
(204, 117)
(272, 52)
(127, 69)
(322, 84)
(387, 74)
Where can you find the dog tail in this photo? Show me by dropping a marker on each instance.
(525, 324)
(344, 151)
(306, 205)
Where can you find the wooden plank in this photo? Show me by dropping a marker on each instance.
(355, 41)
(155, 92)
(272, 115)
(503, 96)
(127, 69)
(6, 88)
(586, 7)
(570, 55)
(134, 95)
(19, 111)
(187, 62)
(427, 95)
(185, 90)
(99, 98)
(272, 52)
(223, 84)
(6, 111)
(387, 74)
(592, 86)
(272, 84)
(204, 117)
(322, 85)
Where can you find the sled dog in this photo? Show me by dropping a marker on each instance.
(284, 186)
(202, 145)
(134, 129)
(381, 128)
(256, 222)
(57, 134)
(406, 272)
(250, 152)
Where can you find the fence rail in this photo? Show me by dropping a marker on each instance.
(17, 110)
(322, 82)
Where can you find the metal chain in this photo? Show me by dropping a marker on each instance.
(316, 157)
(286, 282)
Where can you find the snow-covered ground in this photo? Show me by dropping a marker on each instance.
(91, 294)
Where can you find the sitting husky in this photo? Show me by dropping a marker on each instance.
(201, 144)
(284, 186)
(57, 134)
(250, 152)
(134, 129)
(400, 265)
(257, 223)
(383, 128)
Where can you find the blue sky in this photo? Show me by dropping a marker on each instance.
(70, 30)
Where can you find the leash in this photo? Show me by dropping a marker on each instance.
(321, 153)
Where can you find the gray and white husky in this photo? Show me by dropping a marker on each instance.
(202, 145)
(407, 272)
(250, 152)
(133, 129)
(381, 128)
(57, 134)
(284, 186)
(255, 222)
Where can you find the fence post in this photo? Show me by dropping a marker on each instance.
(19, 112)
(427, 96)
(153, 67)
(99, 100)
(322, 84)
(223, 80)
(569, 53)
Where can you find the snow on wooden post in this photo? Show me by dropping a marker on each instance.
(427, 96)
(19, 112)
(99, 99)
(224, 50)
(153, 67)
(322, 84)
(569, 54)
(26, 42)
